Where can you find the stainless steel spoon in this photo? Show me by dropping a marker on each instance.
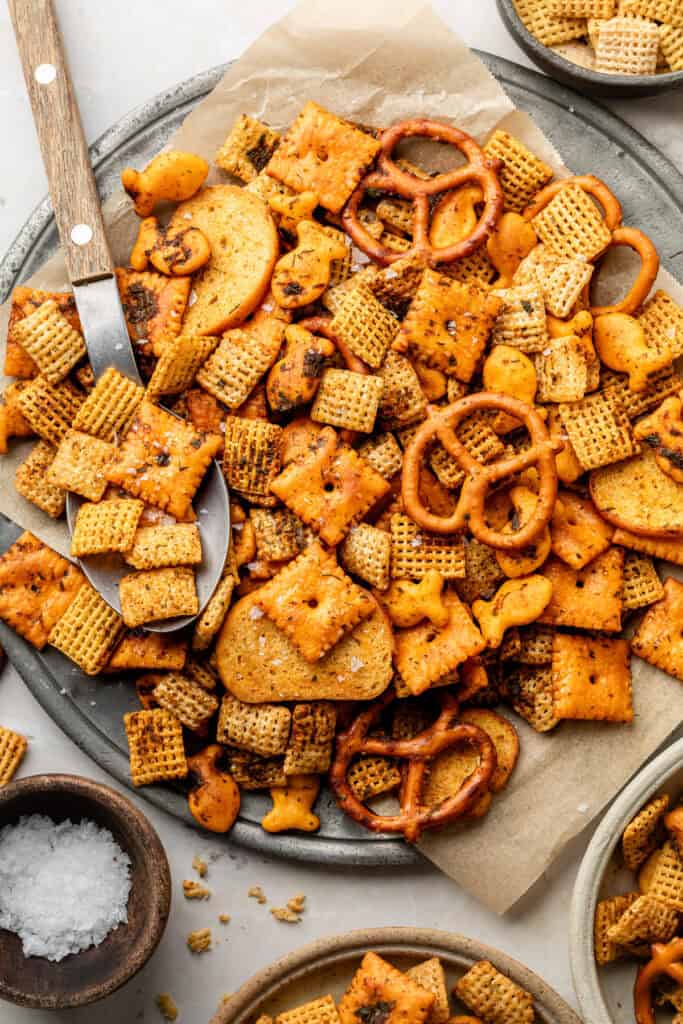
(89, 263)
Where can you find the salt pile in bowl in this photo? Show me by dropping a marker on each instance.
(63, 887)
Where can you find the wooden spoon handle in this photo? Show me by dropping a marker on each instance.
(70, 178)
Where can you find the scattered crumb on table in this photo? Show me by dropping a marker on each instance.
(195, 891)
(224, 918)
(167, 1007)
(199, 941)
(200, 866)
(257, 893)
(291, 913)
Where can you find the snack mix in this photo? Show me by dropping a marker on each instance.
(449, 473)
(612, 37)
(644, 924)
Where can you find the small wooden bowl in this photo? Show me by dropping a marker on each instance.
(97, 972)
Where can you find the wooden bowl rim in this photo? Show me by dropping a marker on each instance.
(246, 1003)
(159, 894)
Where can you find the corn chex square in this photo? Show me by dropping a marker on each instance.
(561, 371)
(494, 997)
(671, 43)
(571, 225)
(53, 344)
(319, 1011)
(383, 453)
(253, 772)
(530, 690)
(369, 777)
(366, 552)
(347, 399)
(668, 11)
(642, 585)
(312, 739)
(521, 321)
(627, 46)
(162, 460)
(414, 552)
(247, 149)
(80, 464)
(12, 749)
(583, 8)
(156, 594)
(88, 631)
(252, 458)
(607, 913)
(184, 698)
(522, 174)
(662, 322)
(329, 487)
(402, 400)
(314, 602)
(157, 749)
(548, 29)
(599, 431)
(105, 526)
(31, 480)
(178, 364)
(277, 534)
(49, 409)
(109, 407)
(364, 324)
(164, 544)
(321, 153)
(243, 356)
(213, 615)
(262, 729)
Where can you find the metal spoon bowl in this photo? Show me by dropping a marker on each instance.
(90, 266)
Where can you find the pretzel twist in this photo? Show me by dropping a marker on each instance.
(479, 169)
(414, 816)
(665, 961)
(649, 268)
(470, 512)
(630, 237)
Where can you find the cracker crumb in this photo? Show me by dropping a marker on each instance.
(291, 913)
(224, 918)
(167, 1007)
(257, 893)
(199, 941)
(195, 890)
(200, 866)
(285, 915)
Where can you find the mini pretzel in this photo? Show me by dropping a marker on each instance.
(649, 268)
(611, 207)
(470, 512)
(414, 816)
(665, 961)
(480, 169)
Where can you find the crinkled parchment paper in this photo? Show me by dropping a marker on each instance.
(379, 62)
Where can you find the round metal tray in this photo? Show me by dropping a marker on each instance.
(90, 712)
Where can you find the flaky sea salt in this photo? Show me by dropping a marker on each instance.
(63, 887)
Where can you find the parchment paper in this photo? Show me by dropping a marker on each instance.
(381, 61)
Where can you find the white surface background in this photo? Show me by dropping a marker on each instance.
(115, 67)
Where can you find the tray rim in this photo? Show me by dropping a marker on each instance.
(371, 852)
(423, 941)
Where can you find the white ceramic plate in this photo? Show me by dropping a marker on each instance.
(605, 994)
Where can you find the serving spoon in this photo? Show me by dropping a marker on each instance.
(76, 206)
